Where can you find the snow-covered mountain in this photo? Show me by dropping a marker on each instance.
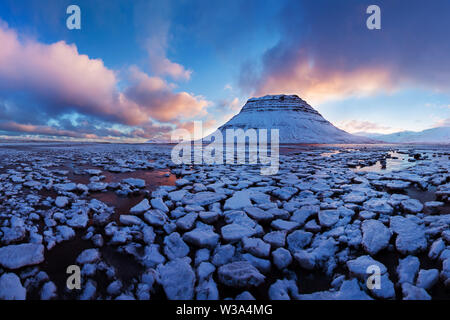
(156, 141)
(440, 135)
(297, 121)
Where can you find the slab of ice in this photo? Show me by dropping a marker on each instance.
(20, 255)
(177, 279)
(11, 288)
(376, 236)
(240, 274)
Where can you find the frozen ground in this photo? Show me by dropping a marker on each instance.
(142, 228)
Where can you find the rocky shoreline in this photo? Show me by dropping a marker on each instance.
(141, 227)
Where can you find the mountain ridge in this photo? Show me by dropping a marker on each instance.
(438, 135)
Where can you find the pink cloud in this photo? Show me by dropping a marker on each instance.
(43, 130)
(354, 126)
(442, 123)
(155, 95)
(61, 80)
(316, 84)
(161, 65)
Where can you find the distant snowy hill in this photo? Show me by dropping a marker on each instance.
(157, 141)
(297, 121)
(440, 135)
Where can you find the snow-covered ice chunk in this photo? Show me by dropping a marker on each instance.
(258, 214)
(386, 290)
(152, 256)
(78, 220)
(355, 197)
(275, 238)
(256, 246)
(177, 195)
(283, 290)
(134, 182)
(204, 270)
(141, 207)
(436, 249)
(412, 206)
(114, 288)
(223, 254)
(285, 193)
(280, 224)
(203, 198)
(263, 265)
(328, 218)
(156, 217)
(349, 290)
(358, 266)
(130, 220)
(207, 290)
(281, 258)
(48, 291)
(61, 202)
(245, 296)
(240, 274)
(21, 255)
(239, 200)
(375, 237)
(67, 187)
(427, 278)
(407, 269)
(97, 186)
(64, 233)
(90, 290)
(11, 288)
(209, 216)
(88, 256)
(187, 222)
(305, 259)
(379, 206)
(298, 240)
(235, 232)
(410, 235)
(158, 203)
(175, 247)
(411, 292)
(202, 237)
(177, 279)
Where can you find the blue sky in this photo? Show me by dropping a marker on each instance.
(138, 69)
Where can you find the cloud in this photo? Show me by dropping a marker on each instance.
(161, 65)
(55, 73)
(354, 126)
(326, 52)
(40, 81)
(42, 130)
(317, 85)
(155, 95)
(154, 19)
(442, 123)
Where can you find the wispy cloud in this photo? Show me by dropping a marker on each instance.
(442, 123)
(354, 126)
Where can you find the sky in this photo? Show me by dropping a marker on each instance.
(137, 70)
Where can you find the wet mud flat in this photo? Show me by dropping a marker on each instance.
(141, 227)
